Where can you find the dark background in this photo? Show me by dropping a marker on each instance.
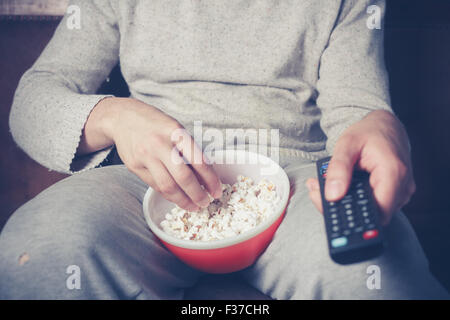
(417, 46)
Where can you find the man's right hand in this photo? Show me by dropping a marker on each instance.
(143, 138)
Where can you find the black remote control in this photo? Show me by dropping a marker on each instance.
(352, 223)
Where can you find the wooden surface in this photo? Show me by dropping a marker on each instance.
(33, 7)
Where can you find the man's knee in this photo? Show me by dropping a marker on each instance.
(64, 213)
(37, 246)
(77, 208)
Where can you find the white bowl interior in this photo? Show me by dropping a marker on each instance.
(253, 165)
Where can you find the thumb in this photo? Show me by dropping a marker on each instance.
(340, 169)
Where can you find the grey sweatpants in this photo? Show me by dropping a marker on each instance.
(91, 225)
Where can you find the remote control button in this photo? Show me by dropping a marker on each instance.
(350, 218)
(359, 185)
(359, 229)
(367, 220)
(364, 208)
(346, 232)
(370, 234)
(363, 202)
(333, 209)
(339, 242)
(335, 228)
(335, 235)
(334, 216)
(347, 206)
(351, 224)
(365, 214)
(334, 221)
(332, 203)
(324, 169)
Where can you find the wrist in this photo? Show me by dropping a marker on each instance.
(106, 113)
(98, 127)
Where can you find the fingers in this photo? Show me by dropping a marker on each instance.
(194, 156)
(161, 181)
(314, 193)
(389, 191)
(410, 190)
(384, 190)
(340, 168)
(145, 176)
(183, 175)
(178, 181)
(393, 187)
(145, 143)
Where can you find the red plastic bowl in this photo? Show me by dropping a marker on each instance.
(230, 254)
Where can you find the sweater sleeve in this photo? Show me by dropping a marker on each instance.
(352, 76)
(55, 97)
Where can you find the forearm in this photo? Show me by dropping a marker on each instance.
(353, 81)
(47, 118)
(56, 96)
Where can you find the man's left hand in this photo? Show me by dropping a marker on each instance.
(377, 144)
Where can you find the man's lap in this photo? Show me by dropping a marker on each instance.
(101, 210)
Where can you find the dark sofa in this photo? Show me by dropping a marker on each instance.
(418, 59)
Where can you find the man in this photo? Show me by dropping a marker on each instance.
(311, 69)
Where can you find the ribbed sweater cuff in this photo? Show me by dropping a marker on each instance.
(66, 159)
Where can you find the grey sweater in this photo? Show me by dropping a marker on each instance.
(309, 68)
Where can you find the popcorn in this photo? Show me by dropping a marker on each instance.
(243, 206)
